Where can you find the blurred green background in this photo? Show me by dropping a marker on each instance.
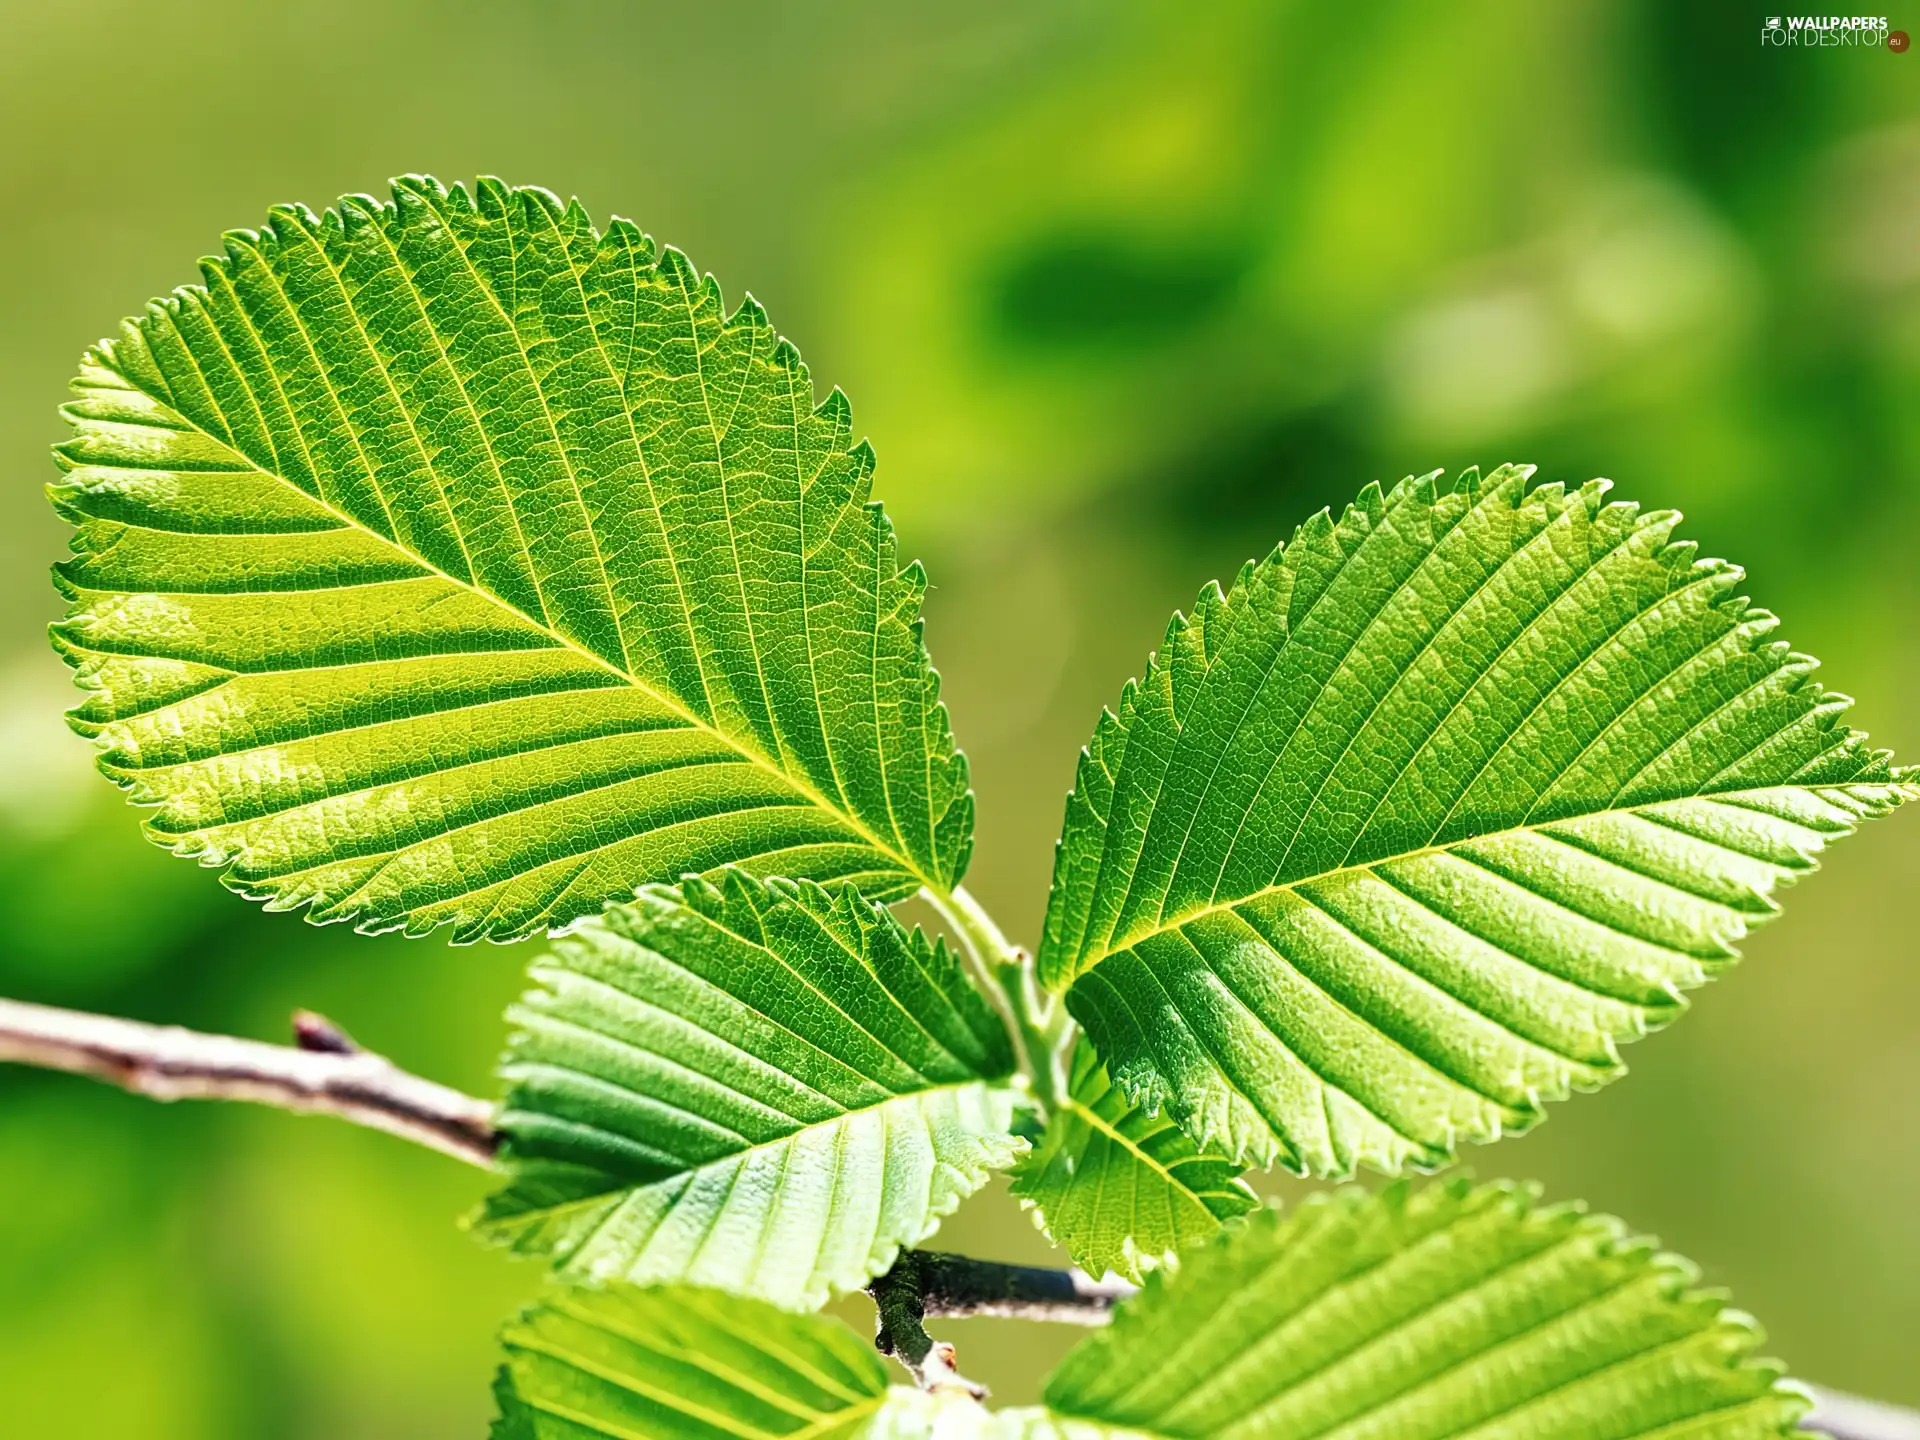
(1122, 292)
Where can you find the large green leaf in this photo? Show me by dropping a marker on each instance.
(678, 1363)
(1416, 1315)
(760, 1087)
(1400, 838)
(448, 561)
(1121, 1189)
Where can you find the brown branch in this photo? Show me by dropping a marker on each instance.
(326, 1074)
(961, 1285)
(927, 1282)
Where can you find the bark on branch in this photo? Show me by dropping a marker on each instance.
(325, 1074)
(928, 1282)
(1849, 1417)
(961, 1285)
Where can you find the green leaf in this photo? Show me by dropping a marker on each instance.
(678, 1363)
(1121, 1189)
(514, 1421)
(1416, 1315)
(760, 1087)
(1400, 838)
(450, 562)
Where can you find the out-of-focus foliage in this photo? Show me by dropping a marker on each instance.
(1121, 294)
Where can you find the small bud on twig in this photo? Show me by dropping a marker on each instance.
(313, 1031)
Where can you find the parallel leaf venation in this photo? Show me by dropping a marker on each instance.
(1402, 836)
(448, 561)
(757, 1085)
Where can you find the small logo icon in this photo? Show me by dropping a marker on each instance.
(1773, 22)
(1897, 41)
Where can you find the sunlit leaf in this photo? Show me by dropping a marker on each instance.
(761, 1087)
(679, 1363)
(450, 562)
(1401, 837)
(1422, 1314)
(1120, 1189)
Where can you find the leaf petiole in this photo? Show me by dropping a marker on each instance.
(1044, 1028)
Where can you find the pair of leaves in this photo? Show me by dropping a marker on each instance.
(1433, 1313)
(448, 562)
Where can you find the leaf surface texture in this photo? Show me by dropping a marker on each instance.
(681, 1363)
(1449, 1311)
(1402, 836)
(756, 1086)
(449, 561)
(1120, 1189)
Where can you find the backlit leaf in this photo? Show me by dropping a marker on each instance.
(760, 1087)
(1400, 838)
(1448, 1311)
(1120, 1189)
(679, 1363)
(448, 561)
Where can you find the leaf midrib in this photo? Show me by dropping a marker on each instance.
(732, 1157)
(568, 1305)
(632, 1385)
(1307, 811)
(1168, 926)
(1096, 1122)
(748, 752)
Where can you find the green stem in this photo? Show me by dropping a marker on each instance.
(1041, 1024)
